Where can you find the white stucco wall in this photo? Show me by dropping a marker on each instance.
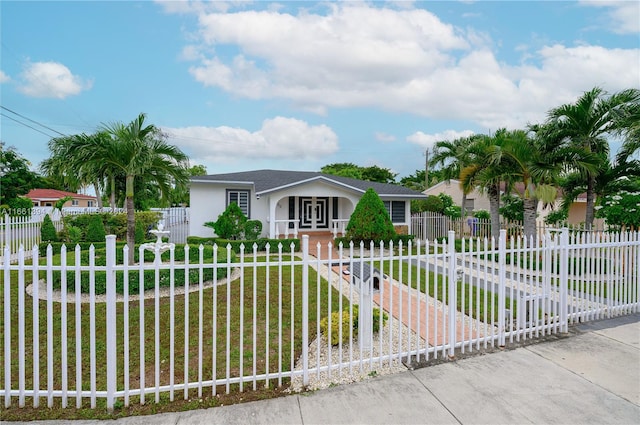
(208, 201)
(452, 188)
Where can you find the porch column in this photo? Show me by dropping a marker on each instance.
(272, 218)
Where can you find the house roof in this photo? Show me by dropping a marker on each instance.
(53, 194)
(267, 181)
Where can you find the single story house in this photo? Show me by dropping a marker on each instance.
(292, 202)
(48, 198)
(476, 200)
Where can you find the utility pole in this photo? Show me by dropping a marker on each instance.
(426, 169)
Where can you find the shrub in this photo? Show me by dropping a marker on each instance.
(48, 230)
(482, 214)
(512, 208)
(335, 323)
(452, 211)
(370, 220)
(252, 229)
(230, 224)
(557, 217)
(114, 224)
(74, 235)
(434, 204)
(141, 233)
(335, 326)
(95, 229)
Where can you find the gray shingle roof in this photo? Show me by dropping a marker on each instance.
(265, 181)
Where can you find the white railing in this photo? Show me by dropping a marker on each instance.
(176, 221)
(438, 300)
(25, 230)
(283, 227)
(428, 226)
(339, 225)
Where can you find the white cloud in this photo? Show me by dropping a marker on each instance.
(384, 137)
(52, 80)
(278, 138)
(427, 141)
(624, 16)
(4, 77)
(407, 61)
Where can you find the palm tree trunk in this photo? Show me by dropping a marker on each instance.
(112, 195)
(96, 186)
(464, 202)
(588, 220)
(530, 213)
(494, 210)
(131, 219)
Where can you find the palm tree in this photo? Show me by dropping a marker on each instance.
(585, 126)
(454, 157)
(137, 150)
(67, 166)
(488, 168)
(536, 169)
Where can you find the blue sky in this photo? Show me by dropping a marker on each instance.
(298, 85)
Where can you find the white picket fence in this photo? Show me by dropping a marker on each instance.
(259, 326)
(432, 225)
(176, 221)
(16, 231)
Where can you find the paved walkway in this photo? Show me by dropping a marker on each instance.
(592, 376)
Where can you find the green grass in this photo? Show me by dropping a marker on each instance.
(245, 304)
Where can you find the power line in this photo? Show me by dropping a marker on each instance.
(29, 119)
(26, 125)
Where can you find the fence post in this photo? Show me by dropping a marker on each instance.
(7, 327)
(111, 320)
(305, 310)
(7, 232)
(452, 292)
(564, 280)
(502, 261)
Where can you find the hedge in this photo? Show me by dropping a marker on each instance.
(248, 245)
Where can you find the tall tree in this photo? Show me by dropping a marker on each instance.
(137, 149)
(454, 156)
(488, 168)
(66, 164)
(585, 126)
(373, 173)
(533, 167)
(15, 176)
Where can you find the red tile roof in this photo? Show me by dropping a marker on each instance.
(55, 194)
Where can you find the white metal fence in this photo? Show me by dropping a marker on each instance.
(431, 225)
(16, 231)
(176, 221)
(256, 322)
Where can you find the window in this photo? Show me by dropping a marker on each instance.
(74, 202)
(469, 204)
(90, 204)
(396, 210)
(240, 197)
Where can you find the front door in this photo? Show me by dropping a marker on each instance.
(314, 213)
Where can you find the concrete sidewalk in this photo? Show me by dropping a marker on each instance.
(590, 377)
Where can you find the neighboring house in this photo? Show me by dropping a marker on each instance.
(291, 202)
(477, 200)
(48, 198)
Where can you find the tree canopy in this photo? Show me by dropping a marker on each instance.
(16, 178)
(372, 174)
